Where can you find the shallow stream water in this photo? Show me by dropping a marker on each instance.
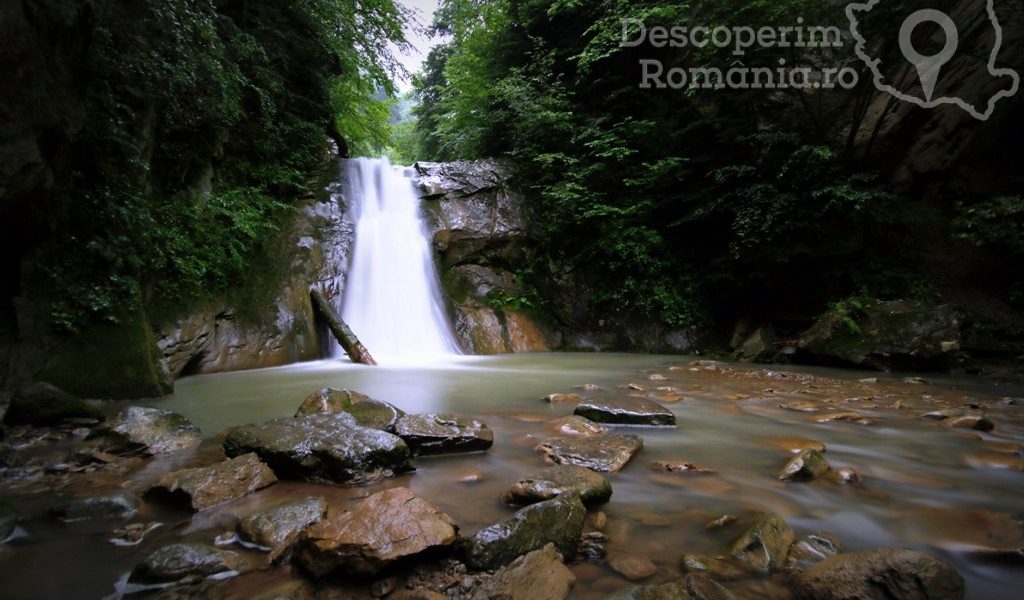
(955, 493)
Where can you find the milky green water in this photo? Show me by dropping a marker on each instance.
(925, 486)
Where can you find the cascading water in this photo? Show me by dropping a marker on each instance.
(392, 298)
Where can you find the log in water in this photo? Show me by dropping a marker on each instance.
(348, 340)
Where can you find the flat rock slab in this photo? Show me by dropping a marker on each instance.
(119, 505)
(384, 529)
(890, 573)
(558, 521)
(576, 425)
(206, 487)
(626, 411)
(592, 488)
(366, 411)
(444, 433)
(605, 453)
(537, 575)
(278, 527)
(178, 561)
(322, 448)
(146, 430)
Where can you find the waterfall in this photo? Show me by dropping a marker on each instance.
(392, 298)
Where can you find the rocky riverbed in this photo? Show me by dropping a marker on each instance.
(549, 476)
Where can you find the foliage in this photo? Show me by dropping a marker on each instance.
(996, 223)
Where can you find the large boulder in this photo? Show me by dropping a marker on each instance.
(322, 448)
(765, 546)
(366, 411)
(444, 433)
(881, 574)
(625, 411)
(558, 521)
(386, 528)
(537, 575)
(884, 335)
(42, 404)
(592, 488)
(118, 504)
(279, 526)
(146, 430)
(206, 487)
(605, 453)
(177, 561)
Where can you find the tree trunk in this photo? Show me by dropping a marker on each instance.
(348, 340)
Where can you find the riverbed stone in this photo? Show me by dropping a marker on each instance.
(976, 422)
(8, 519)
(205, 487)
(765, 546)
(808, 464)
(537, 575)
(366, 411)
(444, 433)
(177, 561)
(702, 587)
(626, 411)
(558, 521)
(118, 504)
(605, 453)
(389, 527)
(633, 567)
(564, 398)
(812, 549)
(139, 429)
(279, 526)
(717, 567)
(322, 448)
(883, 573)
(41, 404)
(673, 590)
(577, 425)
(592, 488)
(9, 457)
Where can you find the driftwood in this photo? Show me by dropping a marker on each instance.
(348, 340)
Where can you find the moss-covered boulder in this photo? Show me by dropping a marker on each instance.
(140, 429)
(43, 404)
(891, 573)
(366, 411)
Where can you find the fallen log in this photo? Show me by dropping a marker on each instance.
(348, 340)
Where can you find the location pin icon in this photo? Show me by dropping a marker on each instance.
(928, 66)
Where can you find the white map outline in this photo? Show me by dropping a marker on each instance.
(879, 78)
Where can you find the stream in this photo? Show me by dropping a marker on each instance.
(952, 492)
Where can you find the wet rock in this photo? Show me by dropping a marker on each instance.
(718, 567)
(673, 590)
(605, 453)
(145, 430)
(444, 433)
(807, 465)
(800, 406)
(202, 488)
(322, 448)
(884, 573)
(846, 475)
(563, 398)
(366, 411)
(942, 415)
(853, 417)
(8, 519)
(722, 521)
(702, 587)
(175, 562)
(9, 458)
(681, 466)
(558, 521)
(576, 425)
(975, 422)
(41, 404)
(386, 528)
(121, 504)
(132, 534)
(765, 546)
(633, 567)
(278, 527)
(812, 549)
(592, 488)
(626, 411)
(592, 546)
(537, 575)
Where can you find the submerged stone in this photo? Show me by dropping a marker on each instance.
(386, 528)
(558, 521)
(890, 573)
(633, 567)
(673, 590)
(626, 411)
(592, 488)
(205, 487)
(577, 425)
(605, 453)
(537, 575)
(444, 433)
(120, 504)
(322, 448)
(812, 549)
(366, 411)
(175, 562)
(145, 430)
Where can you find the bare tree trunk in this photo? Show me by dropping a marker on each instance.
(348, 340)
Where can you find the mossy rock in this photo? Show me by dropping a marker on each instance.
(42, 404)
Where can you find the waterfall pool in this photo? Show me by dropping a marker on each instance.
(954, 493)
